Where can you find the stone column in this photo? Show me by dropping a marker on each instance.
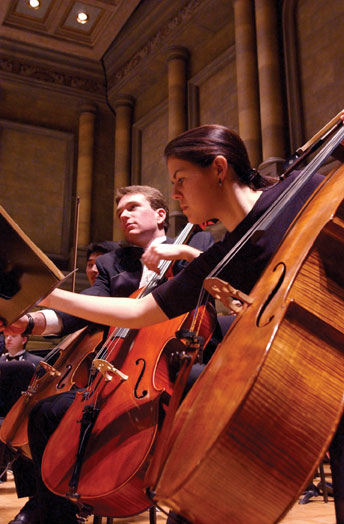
(271, 112)
(177, 116)
(85, 171)
(247, 78)
(123, 106)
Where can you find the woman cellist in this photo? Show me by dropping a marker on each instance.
(211, 177)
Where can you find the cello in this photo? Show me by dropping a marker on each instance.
(250, 444)
(64, 367)
(100, 451)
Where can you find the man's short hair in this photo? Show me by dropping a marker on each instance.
(22, 336)
(153, 195)
(27, 340)
(100, 247)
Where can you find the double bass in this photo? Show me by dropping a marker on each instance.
(99, 454)
(253, 428)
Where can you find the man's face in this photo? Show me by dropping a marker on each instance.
(139, 222)
(14, 343)
(91, 267)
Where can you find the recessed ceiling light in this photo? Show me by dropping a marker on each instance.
(34, 4)
(82, 18)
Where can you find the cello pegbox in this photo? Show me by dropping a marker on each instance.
(232, 298)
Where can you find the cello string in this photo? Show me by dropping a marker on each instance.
(198, 317)
(155, 279)
(279, 204)
(120, 333)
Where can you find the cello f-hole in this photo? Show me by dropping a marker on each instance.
(281, 269)
(144, 392)
(60, 383)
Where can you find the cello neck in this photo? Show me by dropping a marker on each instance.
(165, 265)
(283, 200)
(311, 145)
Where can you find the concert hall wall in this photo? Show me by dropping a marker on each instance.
(173, 65)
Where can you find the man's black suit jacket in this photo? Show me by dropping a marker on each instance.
(120, 273)
(15, 376)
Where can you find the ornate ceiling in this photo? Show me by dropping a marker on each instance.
(53, 26)
(122, 49)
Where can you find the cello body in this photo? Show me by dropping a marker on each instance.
(69, 366)
(122, 438)
(253, 428)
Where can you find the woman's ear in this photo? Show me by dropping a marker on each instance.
(221, 165)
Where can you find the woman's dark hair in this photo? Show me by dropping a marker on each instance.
(201, 145)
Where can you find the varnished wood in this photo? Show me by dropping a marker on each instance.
(265, 409)
(120, 443)
(70, 368)
(315, 512)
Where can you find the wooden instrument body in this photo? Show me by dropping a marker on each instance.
(72, 367)
(120, 444)
(253, 428)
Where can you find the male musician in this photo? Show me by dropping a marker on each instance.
(16, 369)
(94, 250)
(15, 350)
(143, 215)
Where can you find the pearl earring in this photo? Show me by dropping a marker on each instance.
(220, 182)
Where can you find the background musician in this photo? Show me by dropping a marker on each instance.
(143, 215)
(95, 250)
(17, 367)
(15, 350)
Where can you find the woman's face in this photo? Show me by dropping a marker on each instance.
(196, 188)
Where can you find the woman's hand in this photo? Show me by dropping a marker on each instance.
(154, 254)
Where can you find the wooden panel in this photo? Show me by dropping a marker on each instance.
(36, 173)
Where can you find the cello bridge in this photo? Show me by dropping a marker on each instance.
(108, 370)
(50, 369)
(30, 392)
(232, 298)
